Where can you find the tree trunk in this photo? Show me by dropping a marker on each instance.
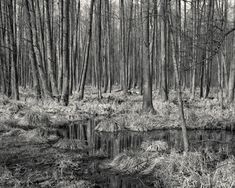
(164, 49)
(50, 59)
(231, 83)
(83, 78)
(147, 79)
(175, 55)
(66, 59)
(123, 47)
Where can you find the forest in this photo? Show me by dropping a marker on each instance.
(117, 93)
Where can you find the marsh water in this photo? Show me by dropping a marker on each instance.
(111, 144)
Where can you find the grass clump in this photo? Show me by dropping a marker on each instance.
(111, 125)
(147, 122)
(7, 179)
(175, 169)
(130, 162)
(178, 170)
(224, 175)
(154, 146)
(35, 119)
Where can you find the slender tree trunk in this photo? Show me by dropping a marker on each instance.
(128, 55)
(36, 55)
(66, 59)
(60, 48)
(194, 19)
(13, 39)
(147, 79)
(123, 47)
(109, 45)
(175, 56)
(231, 83)
(50, 59)
(83, 79)
(99, 47)
(164, 49)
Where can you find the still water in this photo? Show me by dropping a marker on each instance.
(111, 144)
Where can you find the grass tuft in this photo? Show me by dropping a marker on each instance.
(74, 184)
(176, 170)
(36, 119)
(154, 146)
(224, 175)
(111, 125)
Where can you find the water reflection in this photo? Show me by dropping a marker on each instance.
(111, 144)
(121, 182)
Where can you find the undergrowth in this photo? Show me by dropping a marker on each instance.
(199, 113)
(193, 170)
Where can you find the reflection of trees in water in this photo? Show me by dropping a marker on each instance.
(112, 144)
(122, 182)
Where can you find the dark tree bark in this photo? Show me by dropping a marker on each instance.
(66, 59)
(99, 48)
(109, 46)
(50, 57)
(13, 55)
(147, 79)
(164, 49)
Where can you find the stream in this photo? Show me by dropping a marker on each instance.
(111, 144)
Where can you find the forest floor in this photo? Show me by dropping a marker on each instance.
(117, 112)
(31, 151)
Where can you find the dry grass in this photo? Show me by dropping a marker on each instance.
(74, 184)
(111, 125)
(200, 113)
(224, 175)
(154, 146)
(36, 118)
(176, 170)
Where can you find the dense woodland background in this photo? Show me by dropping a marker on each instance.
(57, 47)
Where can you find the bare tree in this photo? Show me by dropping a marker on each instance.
(147, 78)
(83, 78)
(66, 59)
